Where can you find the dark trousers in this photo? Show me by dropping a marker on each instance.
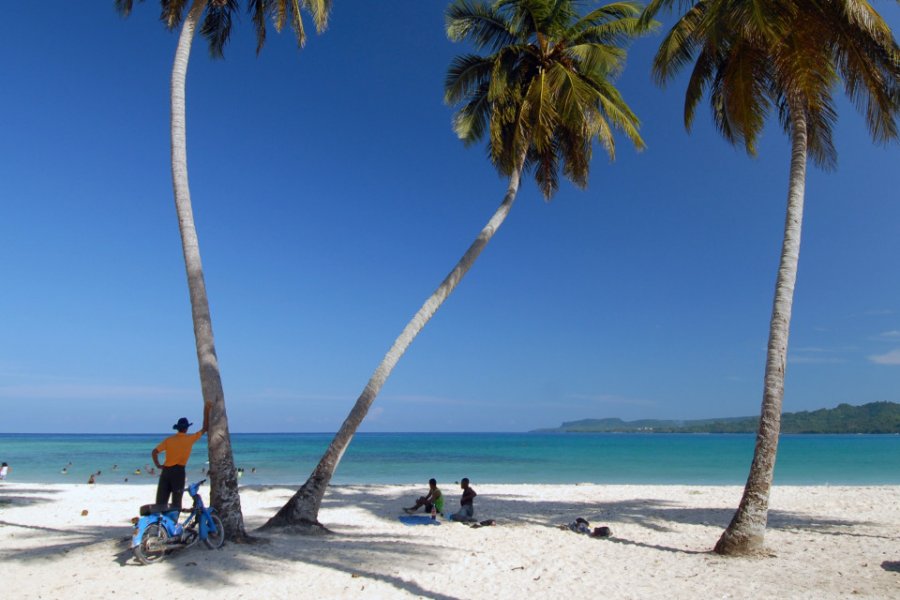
(421, 501)
(171, 481)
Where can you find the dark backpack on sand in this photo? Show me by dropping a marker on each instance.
(602, 532)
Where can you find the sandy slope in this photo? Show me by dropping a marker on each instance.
(827, 542)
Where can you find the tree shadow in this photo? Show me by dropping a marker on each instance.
(72, 539)
(655, 514)
(360, 557)
(16, 497)
(23, 490)
(347, 553)
(627, 542)
(382, 554)
(38, 528)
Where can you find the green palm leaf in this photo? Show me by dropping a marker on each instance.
(545, 91)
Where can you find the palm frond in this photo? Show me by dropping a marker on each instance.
(467, 73)
(258, 10)
(608, 60)
(678, 46)
(469, 123)
(610, 13)
(860, 14)
(123, 7)
(172, 12)
(744, 93)
(320, 11)
(282, 11)
(216, 26)
(655, 6)
(576, 153)
(478, 23)
(604, 135)
(868, 61)
(541, 116)
(618, 113)
(701, 77)
(297, 23)
(546, 169)
(619, 33)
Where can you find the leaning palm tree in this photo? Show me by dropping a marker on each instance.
(216, 27)
(753, 56)
(542, 96)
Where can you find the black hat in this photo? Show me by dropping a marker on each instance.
(182, 424)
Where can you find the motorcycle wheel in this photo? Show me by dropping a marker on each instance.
(215, 540)
(152, 548)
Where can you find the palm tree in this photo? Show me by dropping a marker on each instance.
(216, 28)
(544, 95)
(753, 56)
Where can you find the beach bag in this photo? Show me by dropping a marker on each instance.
(602, 532)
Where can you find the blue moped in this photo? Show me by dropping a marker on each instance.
(158, 531)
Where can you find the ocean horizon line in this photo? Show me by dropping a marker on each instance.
(526, 432)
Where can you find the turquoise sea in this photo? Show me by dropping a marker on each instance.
(392, 458)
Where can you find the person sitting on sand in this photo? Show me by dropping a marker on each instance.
(177, 449)
(466, 513)
(434, 499)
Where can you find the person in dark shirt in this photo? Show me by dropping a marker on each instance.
(466, 512)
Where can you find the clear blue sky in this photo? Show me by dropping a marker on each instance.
(331, 197)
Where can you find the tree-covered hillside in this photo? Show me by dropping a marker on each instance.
(876, 417)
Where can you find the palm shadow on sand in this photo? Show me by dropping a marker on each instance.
(361, 555)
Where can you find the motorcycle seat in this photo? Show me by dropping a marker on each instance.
(150, 509)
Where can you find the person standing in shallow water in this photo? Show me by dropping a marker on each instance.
(177, 449)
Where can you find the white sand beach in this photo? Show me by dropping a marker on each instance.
(825, 542)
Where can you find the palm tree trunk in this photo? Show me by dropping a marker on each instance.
(223, 475)
(747, 529)
(302, 510)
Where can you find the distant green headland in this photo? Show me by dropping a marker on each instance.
(875, 417)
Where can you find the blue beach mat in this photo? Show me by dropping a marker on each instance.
(418, 520)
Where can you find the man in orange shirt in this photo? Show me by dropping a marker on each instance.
(177, 449)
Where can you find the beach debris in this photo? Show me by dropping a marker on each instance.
(485, 523)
